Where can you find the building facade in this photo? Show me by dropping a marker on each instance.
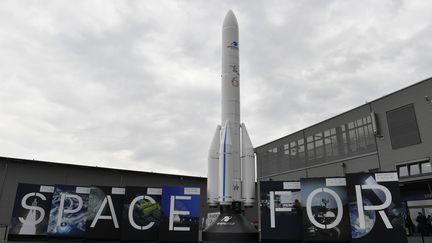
(14, 171)
(390, 133)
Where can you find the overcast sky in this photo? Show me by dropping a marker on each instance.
(136, 84)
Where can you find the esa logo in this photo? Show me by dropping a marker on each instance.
(226, 221)
(233, 45)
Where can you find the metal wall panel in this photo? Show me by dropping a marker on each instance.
(35, 172)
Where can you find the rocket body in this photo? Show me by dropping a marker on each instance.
(231, 161)
(231, 94)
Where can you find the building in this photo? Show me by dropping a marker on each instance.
(391, 133)
(14, 171)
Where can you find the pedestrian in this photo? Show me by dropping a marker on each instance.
(421, 224)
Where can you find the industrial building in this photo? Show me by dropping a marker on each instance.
(14, 171)
(391, 133)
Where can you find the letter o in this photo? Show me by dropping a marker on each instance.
(338, 203)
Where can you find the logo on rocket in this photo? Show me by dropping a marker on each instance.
(234, 45)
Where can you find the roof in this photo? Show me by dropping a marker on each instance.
(58, 164)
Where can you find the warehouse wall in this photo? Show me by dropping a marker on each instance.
(14, 171)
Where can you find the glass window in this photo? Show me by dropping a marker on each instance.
(361, 137)
(293, 151)
(335, 146)
(311, 151)
(359, 122)
(345, 143)
(352, 139)
(326, 133)
(414, 169)
(300, 141)
(286, 149)
(333, 131)
(343, 128)
(328, 147)
(309, 139)
(403, 171)
(426, 168)
(368, 119)
(301, 150)
(351, 125)
(319, 148)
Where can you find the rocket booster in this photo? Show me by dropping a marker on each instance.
(235, 180)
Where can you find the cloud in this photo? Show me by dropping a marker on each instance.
(136, 85)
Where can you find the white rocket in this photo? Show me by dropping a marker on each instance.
(231, 160)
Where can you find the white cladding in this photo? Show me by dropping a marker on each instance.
(213, 169)
(234, 174)
(248, 168)
(225, 166)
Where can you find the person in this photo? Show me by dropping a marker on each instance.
(409, 225)
(421, 224)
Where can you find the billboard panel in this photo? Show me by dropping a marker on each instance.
(180, 214)
(104, 212)
(280, 209)
(141, 214)
(67, 217)
(31, 210)
(325, 209)
(375, 208)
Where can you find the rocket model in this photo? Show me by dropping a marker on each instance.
(231, 159)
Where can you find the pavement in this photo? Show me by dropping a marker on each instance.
(418, 239)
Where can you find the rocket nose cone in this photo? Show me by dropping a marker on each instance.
(230, 20)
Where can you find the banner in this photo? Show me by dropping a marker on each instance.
(281, 212)
(141, 214)
(325, 209)
(180, 214)
(31, 210)
(104, 212)
(68, 214)
(375, 208)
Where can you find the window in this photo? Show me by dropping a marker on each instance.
(426, 168)
(301, 148)
(403, 171)
(311, 151)
(403, 129)
(286, 149)
(293, 148)
(414, 169)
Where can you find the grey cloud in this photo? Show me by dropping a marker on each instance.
(136, 84)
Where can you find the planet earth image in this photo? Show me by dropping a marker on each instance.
(370, 218)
